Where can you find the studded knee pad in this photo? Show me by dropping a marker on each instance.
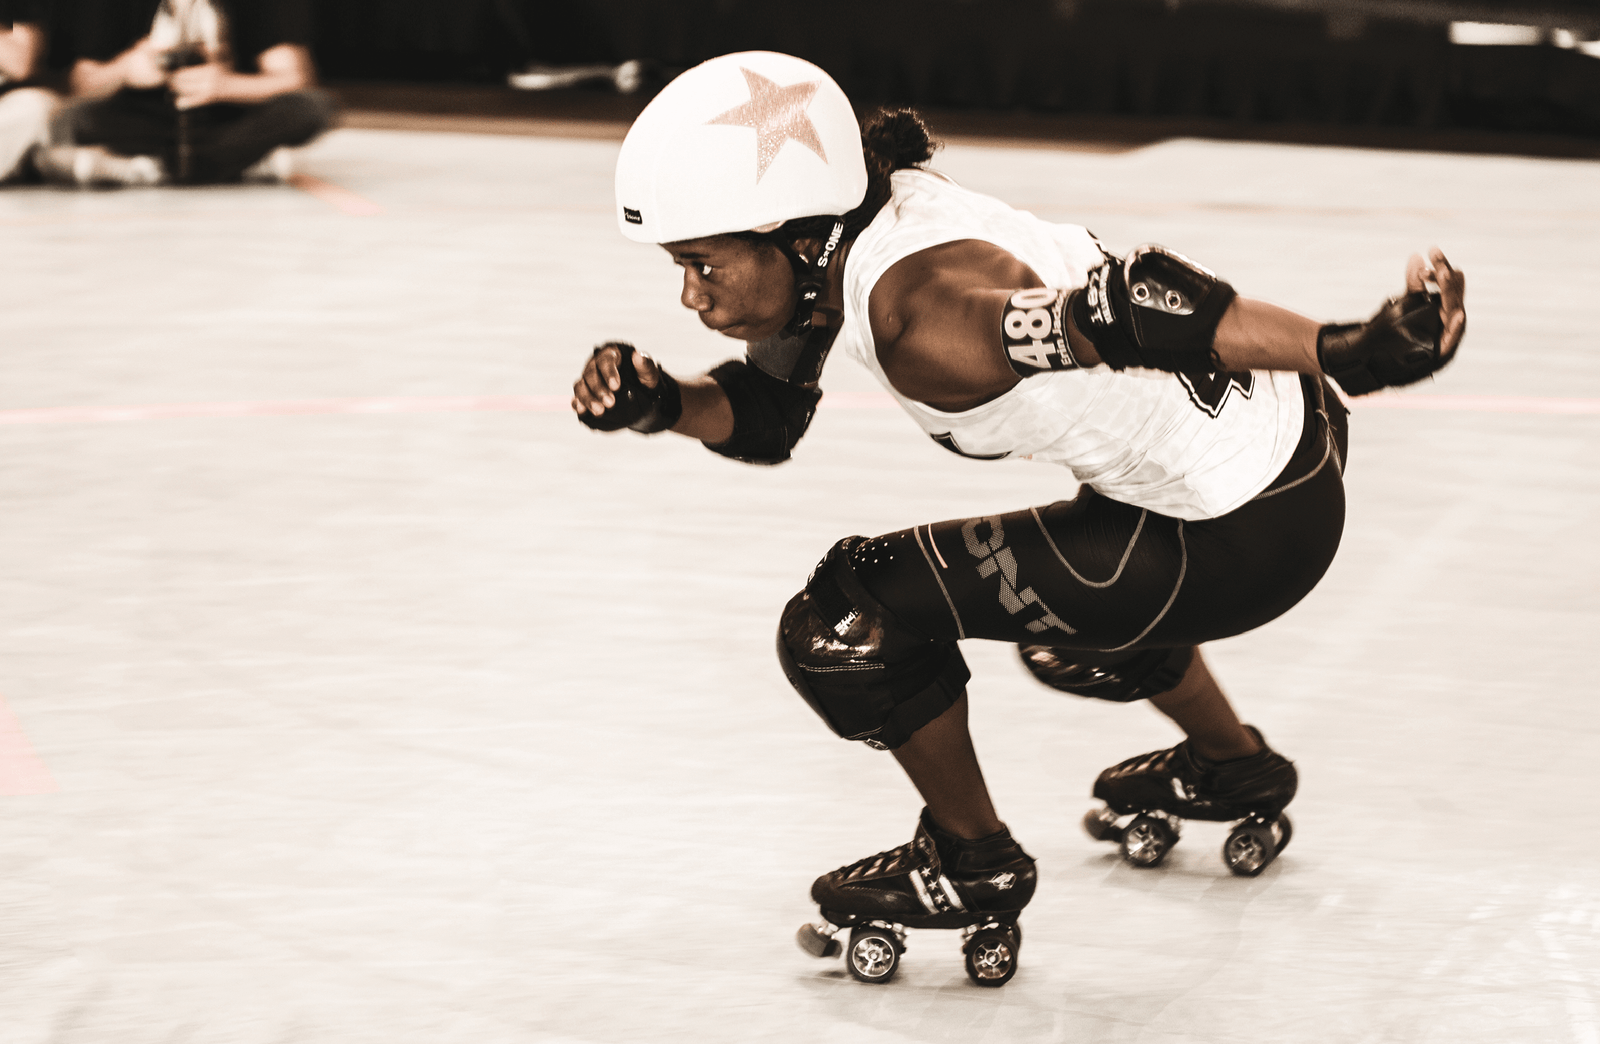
(868, 675)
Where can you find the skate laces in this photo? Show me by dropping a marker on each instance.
(899, 859)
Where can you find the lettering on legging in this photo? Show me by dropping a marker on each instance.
(994, 557)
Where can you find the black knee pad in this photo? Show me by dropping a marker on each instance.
(868, 675)
(1118, 677)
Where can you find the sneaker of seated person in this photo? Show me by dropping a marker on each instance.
(277, 165)
(90, 166)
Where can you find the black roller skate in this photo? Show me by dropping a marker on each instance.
(1163, 788)
(937, 880)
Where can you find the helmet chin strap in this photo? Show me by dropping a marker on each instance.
(811, 278)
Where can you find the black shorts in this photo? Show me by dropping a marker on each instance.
(1094, 573)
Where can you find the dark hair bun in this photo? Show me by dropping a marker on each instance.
(897, 138)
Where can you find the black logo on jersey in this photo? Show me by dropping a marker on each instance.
(1209, 389)
(631, 216)
(948, 441)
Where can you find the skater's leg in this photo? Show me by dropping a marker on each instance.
(940, 760)
(872, 677)
(1200, 709)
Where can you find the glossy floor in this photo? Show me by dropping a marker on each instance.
(353, 692)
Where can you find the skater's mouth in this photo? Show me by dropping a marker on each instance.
(726, 329)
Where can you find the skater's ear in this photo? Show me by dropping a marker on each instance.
(808, 247)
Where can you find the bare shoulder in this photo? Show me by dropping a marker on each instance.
(935, 319)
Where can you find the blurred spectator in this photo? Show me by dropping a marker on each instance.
(24, 110)
(190, 91)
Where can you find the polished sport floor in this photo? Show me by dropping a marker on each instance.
(350, 691)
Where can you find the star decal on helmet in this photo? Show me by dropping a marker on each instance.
(777, 114)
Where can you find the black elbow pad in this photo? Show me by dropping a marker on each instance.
(769, 415)
(1157, 310)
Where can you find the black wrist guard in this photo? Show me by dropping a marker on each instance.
(1157, 310)
(1397, 346)
(637, 407)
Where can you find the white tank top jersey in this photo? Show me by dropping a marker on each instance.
(1143, 437)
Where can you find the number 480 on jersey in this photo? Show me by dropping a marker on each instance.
(1033, 330)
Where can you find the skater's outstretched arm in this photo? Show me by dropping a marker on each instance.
(1254, 335)
(949, 330)
(743, 289)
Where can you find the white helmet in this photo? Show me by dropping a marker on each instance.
(743, 142)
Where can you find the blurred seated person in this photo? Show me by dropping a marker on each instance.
(187, 91)
(24, 109)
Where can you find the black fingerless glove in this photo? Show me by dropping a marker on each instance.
(1399, 345)
(639, 408)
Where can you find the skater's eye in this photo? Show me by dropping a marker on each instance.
(705, 269)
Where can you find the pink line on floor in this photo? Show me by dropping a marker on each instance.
(560, 404)
(1390, 401)
(160, 411)
(21, 770)
(1479, 403)
(341, 199)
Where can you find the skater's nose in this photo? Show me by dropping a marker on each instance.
(695, 298)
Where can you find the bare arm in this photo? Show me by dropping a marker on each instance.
(707, 415)
(1254, 335)
(936, 317)
(139, 66)
(284, 68)
(20, 48)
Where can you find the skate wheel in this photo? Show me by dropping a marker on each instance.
(1285, 832)
(1101, 824)
(873, 954)
(1147, 841)
(992, 956)
(813, 941)
(1250, 848)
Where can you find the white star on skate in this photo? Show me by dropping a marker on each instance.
(777, 114)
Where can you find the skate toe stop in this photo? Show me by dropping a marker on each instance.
(815, 942)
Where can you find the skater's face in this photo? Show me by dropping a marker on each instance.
(739, 288)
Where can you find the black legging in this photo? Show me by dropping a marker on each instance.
(1093, 573)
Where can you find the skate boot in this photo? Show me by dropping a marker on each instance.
(936, 880)
(1163, 788)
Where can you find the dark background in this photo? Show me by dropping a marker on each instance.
(1375, 63)
(1359, 72)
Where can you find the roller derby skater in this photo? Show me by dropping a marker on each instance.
(1201, 426)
